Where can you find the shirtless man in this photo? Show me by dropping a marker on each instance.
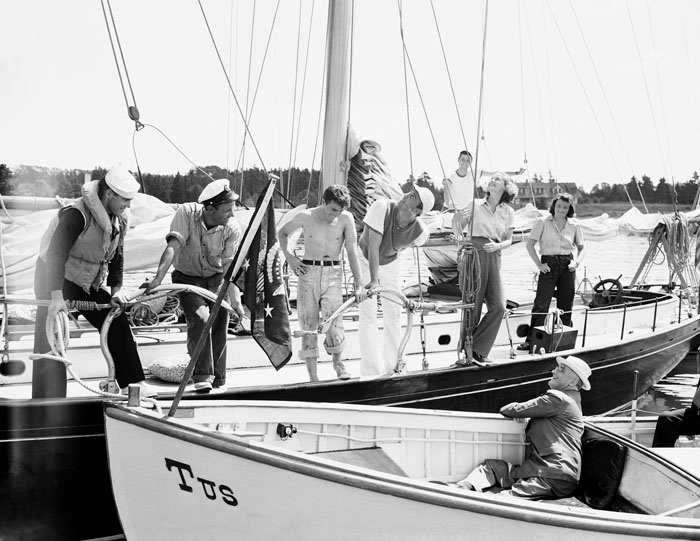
(320, 284)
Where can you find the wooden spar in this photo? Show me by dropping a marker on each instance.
(337, 114)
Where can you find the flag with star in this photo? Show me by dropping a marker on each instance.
(264, 291)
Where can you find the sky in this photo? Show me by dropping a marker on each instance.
(593, 91)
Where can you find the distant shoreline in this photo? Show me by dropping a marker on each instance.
(615, 210)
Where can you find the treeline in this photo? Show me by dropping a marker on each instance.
(296, 186)
(683, 193)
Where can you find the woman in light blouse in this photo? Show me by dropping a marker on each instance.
(491, 232)
(557, 265)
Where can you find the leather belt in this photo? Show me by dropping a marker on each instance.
(316, 263)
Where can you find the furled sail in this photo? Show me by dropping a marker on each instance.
(369, 179)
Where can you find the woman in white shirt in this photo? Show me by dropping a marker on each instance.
(491, 232)
(558, 238)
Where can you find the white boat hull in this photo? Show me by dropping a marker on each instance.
(222, 472)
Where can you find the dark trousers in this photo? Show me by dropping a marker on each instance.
(48, 376)
(674, 423)
(560, 278)
(211, 365)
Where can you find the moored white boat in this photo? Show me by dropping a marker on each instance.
(263, 470)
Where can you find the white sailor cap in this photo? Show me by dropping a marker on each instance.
(217, 191)
(427, 198)
(122, 182)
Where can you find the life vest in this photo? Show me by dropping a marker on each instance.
(96, 245)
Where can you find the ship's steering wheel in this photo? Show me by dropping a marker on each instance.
(607, 292)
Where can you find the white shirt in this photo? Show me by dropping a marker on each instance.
(459, 191)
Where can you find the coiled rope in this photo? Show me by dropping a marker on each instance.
(469, 283)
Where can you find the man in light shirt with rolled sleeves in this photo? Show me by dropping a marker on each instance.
(202, 242)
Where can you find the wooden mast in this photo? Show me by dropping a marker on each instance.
(337, 113)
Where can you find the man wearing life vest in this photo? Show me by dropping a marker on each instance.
(202, 242)
(82, 247)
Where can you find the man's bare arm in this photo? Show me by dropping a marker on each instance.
(283, 235)
(350, 236)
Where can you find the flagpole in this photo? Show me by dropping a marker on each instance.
(231, 272)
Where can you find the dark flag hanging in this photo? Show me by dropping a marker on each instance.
(264, 291)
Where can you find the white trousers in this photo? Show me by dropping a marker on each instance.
(379, 352)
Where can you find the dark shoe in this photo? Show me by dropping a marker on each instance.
(461, 363)
(525, 346)
(218, 383)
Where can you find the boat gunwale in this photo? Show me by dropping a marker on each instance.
(366, 479)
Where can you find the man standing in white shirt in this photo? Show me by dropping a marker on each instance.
(390, 227)
(459, 186)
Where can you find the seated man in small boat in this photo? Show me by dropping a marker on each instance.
(678, 422)
(83, 246)
(552, 465)
(390, 228)
(320, 285)
(202, 241)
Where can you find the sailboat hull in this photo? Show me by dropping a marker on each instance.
(63, 440)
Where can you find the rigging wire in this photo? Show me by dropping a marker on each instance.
(449, 77)
(235, 79)
(132, 110)
(182, 153)
(646, 87)
(585, 93)
(249, 113)
(661, 93)
(522, 102)
(294, 99)
(233, 93)
(602, 88)
(304, 78)
(420, 97)
(539, 92)
(246, 118)
(321, 105)
(480, 110)
(552, 139)
(609, 107)
(405, 89)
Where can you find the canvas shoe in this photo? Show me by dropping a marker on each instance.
(202, 386)
(341, 371)
(147, 391)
